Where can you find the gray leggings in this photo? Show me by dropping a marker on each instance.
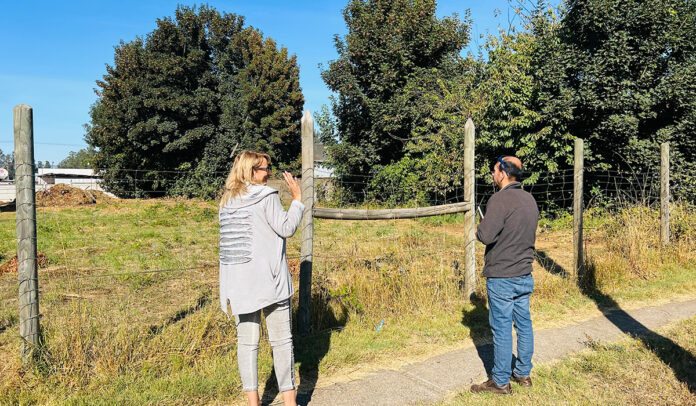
(278, 324)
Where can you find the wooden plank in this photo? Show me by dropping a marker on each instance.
(390, 214)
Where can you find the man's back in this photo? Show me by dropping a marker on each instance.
(509, 232)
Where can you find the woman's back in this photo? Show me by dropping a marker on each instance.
(253, 268)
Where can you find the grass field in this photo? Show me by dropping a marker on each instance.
(130, 310)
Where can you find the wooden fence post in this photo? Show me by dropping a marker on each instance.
(306, 257)
(577, 208)
(28, 276)
(470, 215)
(664, 193)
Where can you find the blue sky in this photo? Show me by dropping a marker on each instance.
(53, 52)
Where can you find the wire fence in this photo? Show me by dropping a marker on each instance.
(606, 188)
(140, 262)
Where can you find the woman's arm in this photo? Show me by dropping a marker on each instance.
(284, 223)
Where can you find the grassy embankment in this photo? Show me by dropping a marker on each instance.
(160, 338)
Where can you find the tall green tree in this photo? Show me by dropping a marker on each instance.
(631, 68)
(82, 159)
(618, 74)
(395, 53)
(500, 92)
(176, 104)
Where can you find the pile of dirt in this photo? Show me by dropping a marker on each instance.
(11, 265)
(64, 195)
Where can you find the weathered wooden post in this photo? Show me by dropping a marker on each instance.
(664, 193)
(577, 208)
(470, 215)
(304, 311)
(28, 275)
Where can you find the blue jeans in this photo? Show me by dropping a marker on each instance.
(508, 303)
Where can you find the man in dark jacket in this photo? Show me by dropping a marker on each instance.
(509, 230)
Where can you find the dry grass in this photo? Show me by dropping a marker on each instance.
(117, 329)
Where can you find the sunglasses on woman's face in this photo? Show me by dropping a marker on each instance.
(260, 168)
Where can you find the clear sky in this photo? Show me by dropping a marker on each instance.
(52, 52)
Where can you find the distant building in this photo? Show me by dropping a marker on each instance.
(324, 178)
(321, 171)
(47, 177)
(79, 178)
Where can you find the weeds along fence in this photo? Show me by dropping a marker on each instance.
(308, 191)
(121, 274)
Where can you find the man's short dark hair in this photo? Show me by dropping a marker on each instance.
(514, 171)
(511, 169)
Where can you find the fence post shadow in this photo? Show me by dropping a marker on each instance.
(549, 264)
(310, 349)
(682, 362)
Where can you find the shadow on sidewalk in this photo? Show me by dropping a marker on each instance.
(477, 318)
(311, 349)
(682, 362)
(480, 329)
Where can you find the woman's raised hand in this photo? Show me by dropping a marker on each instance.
(293, 185)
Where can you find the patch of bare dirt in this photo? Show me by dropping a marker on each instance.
(294, 265)
(64, 195)
(11, 265)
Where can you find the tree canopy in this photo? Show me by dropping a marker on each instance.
(630, 67)
(619, 74)
(395, 52)
(174, 105)
(82, 159)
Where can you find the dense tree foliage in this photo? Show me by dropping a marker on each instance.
(395, 52)
(174, 105)
(82, 159)
(619, 74)
(630, 66)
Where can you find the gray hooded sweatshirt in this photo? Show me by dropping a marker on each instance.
(254, 272)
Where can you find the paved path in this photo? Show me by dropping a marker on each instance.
(433, 379)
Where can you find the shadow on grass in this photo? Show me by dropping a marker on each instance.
(10, 321)
(682, 362)
(311, 349)
(202, 301)
(549, 264)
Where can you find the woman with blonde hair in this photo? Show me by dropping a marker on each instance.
(254, 273)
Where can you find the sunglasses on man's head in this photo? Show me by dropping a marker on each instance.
(503, 167)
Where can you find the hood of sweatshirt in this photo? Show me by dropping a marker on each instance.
(253, 195)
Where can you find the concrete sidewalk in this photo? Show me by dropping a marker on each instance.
(433, 379)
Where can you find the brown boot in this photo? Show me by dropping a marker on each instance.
(491, 386)
(523, 381)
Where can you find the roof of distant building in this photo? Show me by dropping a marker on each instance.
(66, 172)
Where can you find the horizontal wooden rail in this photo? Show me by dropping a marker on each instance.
(388, 214)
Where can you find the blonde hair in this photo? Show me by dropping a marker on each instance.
(242, 173)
